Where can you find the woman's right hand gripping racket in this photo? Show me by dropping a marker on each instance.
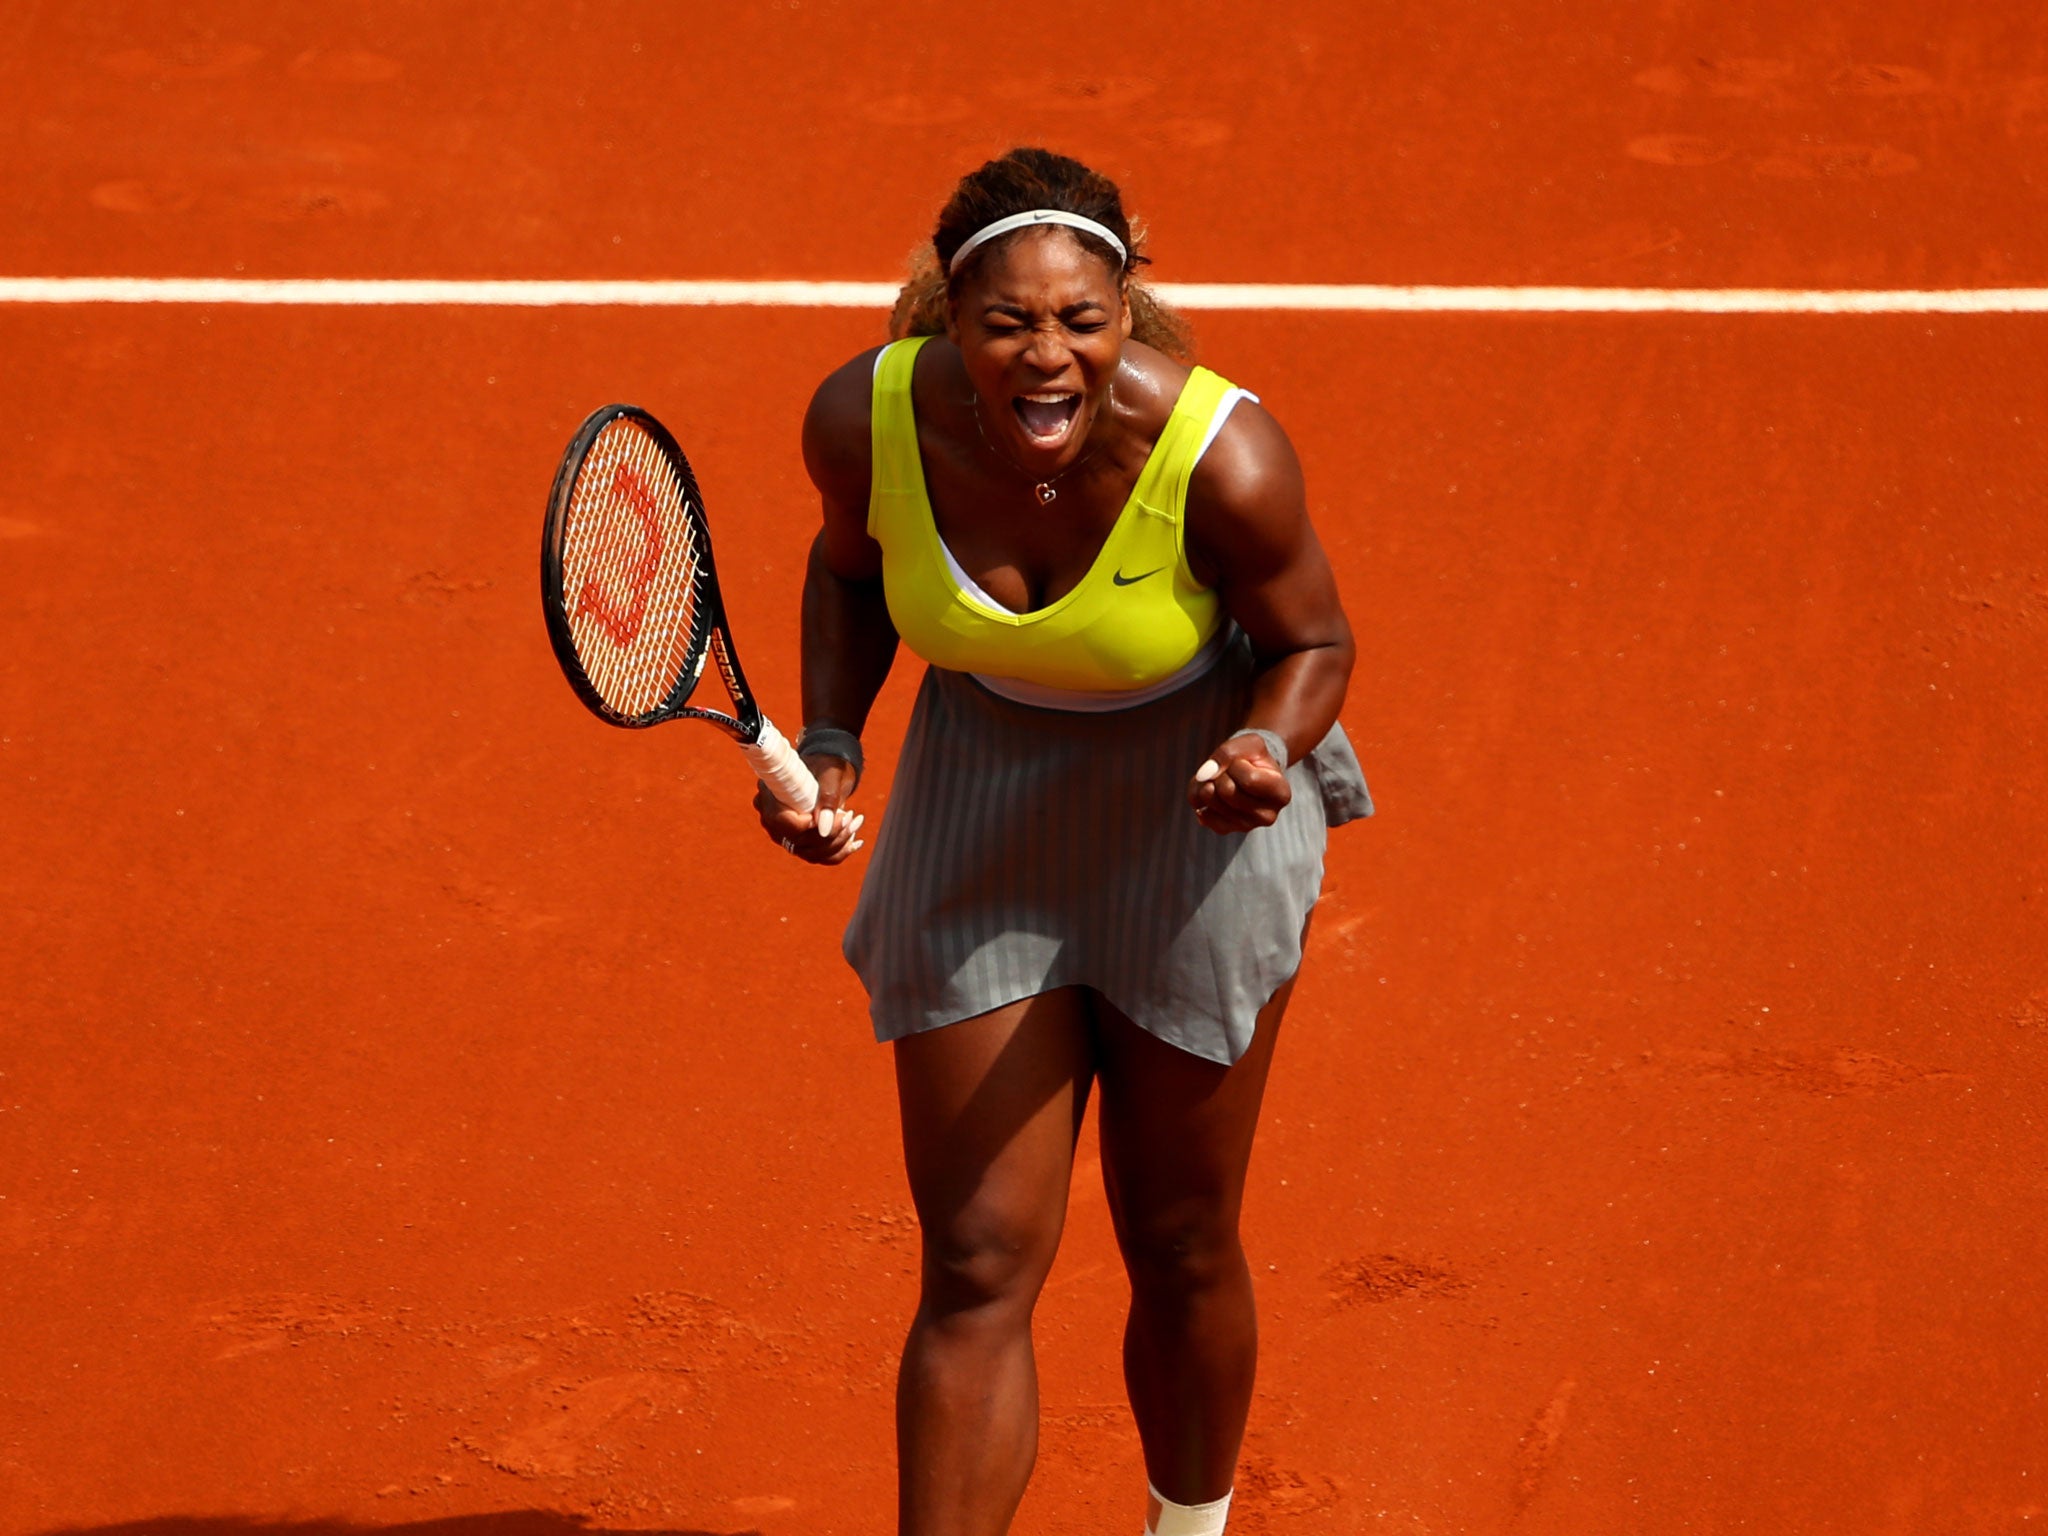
(631, 596)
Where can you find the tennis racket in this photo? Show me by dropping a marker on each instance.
(631, 596)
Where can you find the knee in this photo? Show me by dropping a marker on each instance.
(985, 1268)
(1182, 1255)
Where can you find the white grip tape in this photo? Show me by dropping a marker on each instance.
(776, 764)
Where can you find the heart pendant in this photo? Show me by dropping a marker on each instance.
(1045, 493)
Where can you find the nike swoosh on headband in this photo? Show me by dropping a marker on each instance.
(1038, 216)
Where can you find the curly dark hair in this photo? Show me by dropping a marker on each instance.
(1022, 180)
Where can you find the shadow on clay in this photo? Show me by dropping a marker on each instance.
(509, 1522)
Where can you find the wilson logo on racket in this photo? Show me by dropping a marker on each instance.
(629, 501)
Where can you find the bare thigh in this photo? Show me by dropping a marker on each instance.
(991, 1107)
(1177, 1135)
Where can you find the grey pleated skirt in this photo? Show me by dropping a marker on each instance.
(1027, 849)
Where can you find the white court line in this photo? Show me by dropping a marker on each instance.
(1357, 297)
(413, 290)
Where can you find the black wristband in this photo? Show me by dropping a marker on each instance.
(831, 741)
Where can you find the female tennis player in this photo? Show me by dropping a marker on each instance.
(1108, 819)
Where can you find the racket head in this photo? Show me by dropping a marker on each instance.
(627, 585)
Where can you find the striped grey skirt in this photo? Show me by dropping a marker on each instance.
(1028, 849)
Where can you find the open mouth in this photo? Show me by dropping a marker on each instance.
(1047, 418)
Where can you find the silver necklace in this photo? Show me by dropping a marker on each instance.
(1043, 489)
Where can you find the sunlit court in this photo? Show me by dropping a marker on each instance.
(424, 1108)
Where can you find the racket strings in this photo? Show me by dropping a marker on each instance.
(633, 571)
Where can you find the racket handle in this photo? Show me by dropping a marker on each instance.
(776, 764)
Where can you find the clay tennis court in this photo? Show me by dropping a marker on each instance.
(421, 1106)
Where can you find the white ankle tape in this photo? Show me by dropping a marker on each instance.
(1163, 1517)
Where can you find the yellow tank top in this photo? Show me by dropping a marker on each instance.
(1134, 621)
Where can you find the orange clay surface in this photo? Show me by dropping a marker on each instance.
(421, 1104)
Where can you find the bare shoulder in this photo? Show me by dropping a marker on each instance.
(1148, 383)
(1247, 508)
(837, 448)
(1250, 469)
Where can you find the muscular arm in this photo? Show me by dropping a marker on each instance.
(1249, 537)
(848, 641)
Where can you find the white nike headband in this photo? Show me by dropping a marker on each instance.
(1036, 216)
